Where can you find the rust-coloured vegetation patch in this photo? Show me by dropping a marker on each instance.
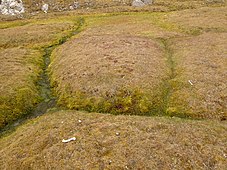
(200, 85)
(114, 142)
(19, 70)
(109, 73)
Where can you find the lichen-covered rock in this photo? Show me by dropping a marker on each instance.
(11, 7)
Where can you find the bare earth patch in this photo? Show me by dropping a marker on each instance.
(114, 142)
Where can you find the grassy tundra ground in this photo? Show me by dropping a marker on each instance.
(146, 63)
(22, 62)
(142, 143)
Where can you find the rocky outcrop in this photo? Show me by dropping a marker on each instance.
(15, 7)
(11, 7)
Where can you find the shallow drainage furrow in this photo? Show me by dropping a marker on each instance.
(168, 89)
(49, 101)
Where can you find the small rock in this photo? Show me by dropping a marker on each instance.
(71, 7)
(45, 8)
(79, 121)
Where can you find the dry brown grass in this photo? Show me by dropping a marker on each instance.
(19, 70)
(108, 65)
(179, 4)
(106, 62)
(20, 62)
(131, 24)
(112, 54)
(33, 35)
(206, 19)
(142, 143)
(106, 59)
(123, 63)
(202, 60)
(113, 67)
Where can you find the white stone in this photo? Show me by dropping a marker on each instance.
(45, 8)
(71, 8)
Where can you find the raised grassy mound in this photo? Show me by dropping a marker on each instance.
(114, 142)
(201, 70)
(109, 73)
(34, 35)
(204, 19)
(144, 64)
(117, 65)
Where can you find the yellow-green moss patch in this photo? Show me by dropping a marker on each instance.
(19, 71)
